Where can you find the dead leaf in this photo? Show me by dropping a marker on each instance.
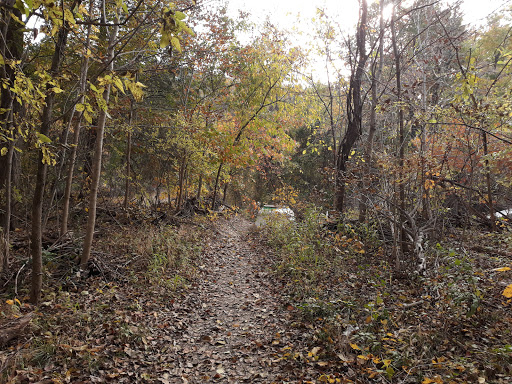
(220, 370)
(508, 292)
(315, 351)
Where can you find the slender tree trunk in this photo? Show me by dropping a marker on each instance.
(199, 188)
(216, 186)
(69, 178)
(11, 47)
(425, 196)
(401, 136)
(129, 154)
(62, 164)
(181, 183)
(98, 152)
(488, 184)
(76, 134)
(37, 201)
(225, 193)
(375, 78)
(187, 175)
(425, 193)
(5, 232)
(354, 110)
(128, 169)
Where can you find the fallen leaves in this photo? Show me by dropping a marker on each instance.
(508, 292)
(436, 380)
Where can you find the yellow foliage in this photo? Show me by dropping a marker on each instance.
(436, 380)
(508, 292)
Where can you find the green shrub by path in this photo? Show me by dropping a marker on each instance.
(303, 254)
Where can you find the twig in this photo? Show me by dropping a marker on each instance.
(414, 304)
(16, 280)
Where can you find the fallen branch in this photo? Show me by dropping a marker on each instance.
(15, 328)
(410, 305)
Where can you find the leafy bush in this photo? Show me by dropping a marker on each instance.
(303, 252)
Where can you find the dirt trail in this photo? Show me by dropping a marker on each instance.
(239, 331)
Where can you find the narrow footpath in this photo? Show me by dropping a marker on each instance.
(240, 331)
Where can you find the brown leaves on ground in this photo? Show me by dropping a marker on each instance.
(225, 317)
(224, 323)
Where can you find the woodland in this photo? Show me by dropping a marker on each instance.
(140, 138)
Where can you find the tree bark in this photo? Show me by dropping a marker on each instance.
(401, 137)
(98, 152)
(6, 225)
(76, 134)
(225, 193)
(216, 186)
(181, 183)
(199, 187)
(11, 48)
(37, 201)
(129, 154)
(354, 109)
(375, 79)
(488, 184)
(62, 164)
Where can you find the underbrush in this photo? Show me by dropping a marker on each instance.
(452, 325)
(89, 323)
(160, 255)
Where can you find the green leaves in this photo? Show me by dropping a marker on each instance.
(24, 7)
(173, 27)
(121, 4)
(43, 138)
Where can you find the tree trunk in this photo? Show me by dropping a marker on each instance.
(37, 201)
(181, 183)
(5, 231)
(354, 110)
(129, 154)
(401, 138)
(216, 186)
(375, 79)
(186, 183)
(11, 48)
(62, 164)
(488, 184)
(199, 188)
(225, 193)
(69, 178)
(76, 134)
(98, 152)
(128, 170)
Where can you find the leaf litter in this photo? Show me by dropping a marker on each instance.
(227, 323)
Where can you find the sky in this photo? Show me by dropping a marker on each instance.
(284, 12)
(296, 15)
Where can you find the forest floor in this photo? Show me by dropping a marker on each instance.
(223, 320)
(211, 300)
